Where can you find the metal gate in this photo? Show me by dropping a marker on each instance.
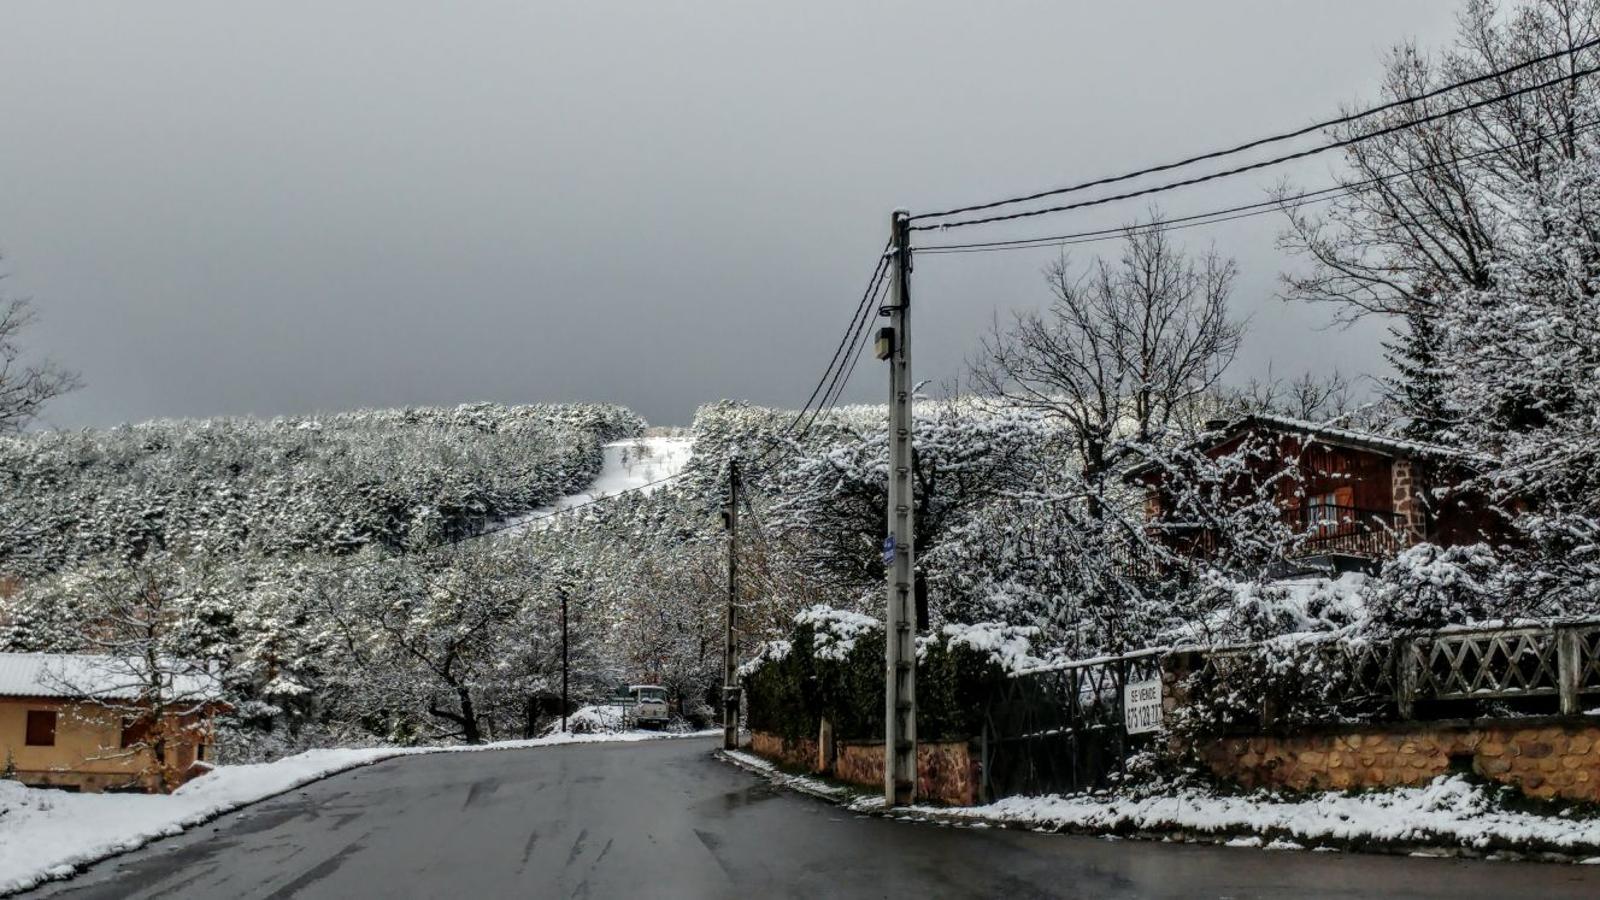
(1060, 729)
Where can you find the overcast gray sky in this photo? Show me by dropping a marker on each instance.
(258, 208)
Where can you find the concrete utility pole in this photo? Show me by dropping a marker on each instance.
(900, 706)
(730, 681)
(563, 659)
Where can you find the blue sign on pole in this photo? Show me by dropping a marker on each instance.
(888, 550)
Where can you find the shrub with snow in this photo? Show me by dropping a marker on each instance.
(1254, 610)
(1427, 586)
(835, 631)
(606, 719)
(1007, 646)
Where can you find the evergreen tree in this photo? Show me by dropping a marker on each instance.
(1417, 385)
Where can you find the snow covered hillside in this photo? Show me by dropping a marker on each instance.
(285, 488)
(631, 464)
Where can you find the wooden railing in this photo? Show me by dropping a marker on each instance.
(1351, 530)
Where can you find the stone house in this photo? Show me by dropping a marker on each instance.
(77, 722)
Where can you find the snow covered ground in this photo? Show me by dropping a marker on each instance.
(1450, 813)
(628, 465)
(47, 834)
(816, 787)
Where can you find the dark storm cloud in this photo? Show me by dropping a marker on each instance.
(284, 207)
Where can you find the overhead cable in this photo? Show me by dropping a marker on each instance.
(1272, 139)
(1251, 167)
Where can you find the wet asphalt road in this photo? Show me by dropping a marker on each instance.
(665, 819)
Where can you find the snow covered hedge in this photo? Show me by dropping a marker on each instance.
(832, 666)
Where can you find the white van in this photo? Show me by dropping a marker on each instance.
(649, 705)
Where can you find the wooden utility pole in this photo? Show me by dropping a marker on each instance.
(899, 551)
(730, 682)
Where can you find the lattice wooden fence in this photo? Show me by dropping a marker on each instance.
(1060, 728)
(1503, 663)
(1375, 679)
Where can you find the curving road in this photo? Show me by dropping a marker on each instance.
(665, 819)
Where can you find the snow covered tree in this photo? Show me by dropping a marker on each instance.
(425, 641)
(965, 453)
(146, 632)
(1123, 351)
(398, 479)
(25, 387)
(1123, 364)
(1422, 213)
(1524, 357)
(1417, 385)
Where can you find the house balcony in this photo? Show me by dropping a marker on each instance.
(1326, 530)
(1333, 538)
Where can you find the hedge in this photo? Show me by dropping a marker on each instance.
(790, 695)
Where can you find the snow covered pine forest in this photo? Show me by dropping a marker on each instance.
(389, 575)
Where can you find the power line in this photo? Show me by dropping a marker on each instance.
(1107, 234)
(1232, 213)
(1237, 170)
(1271, 139)
(830, 375)
(861, 350)
(863, 314)
(847, 365)
(872, 283)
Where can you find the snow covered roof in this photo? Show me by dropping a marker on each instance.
(1324, 434)
(83, 675)
(1362, 440)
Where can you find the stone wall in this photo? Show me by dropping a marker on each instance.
(947, 771)
(795, 754)
(1405, 482)
(1547, 758)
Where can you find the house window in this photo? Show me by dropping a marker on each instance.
(134, 732)
(41, 728)
(1327, 512)
(1322, 512)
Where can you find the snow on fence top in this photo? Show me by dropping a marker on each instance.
(1090, 662)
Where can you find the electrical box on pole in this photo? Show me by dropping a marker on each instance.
(900, 676)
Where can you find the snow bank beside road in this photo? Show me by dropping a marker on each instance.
(1450, 813)
(47, 835)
